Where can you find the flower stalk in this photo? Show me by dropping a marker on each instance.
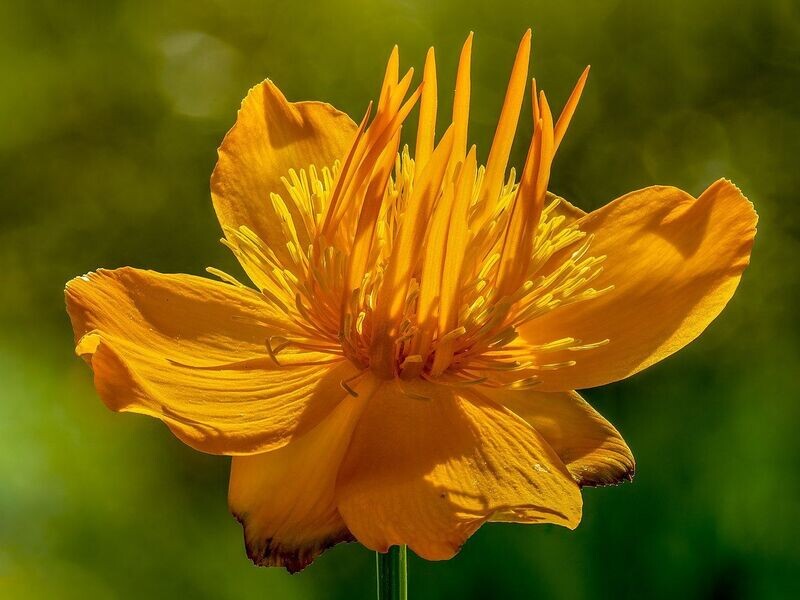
(392, 576)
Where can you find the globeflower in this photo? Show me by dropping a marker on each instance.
(402, 366)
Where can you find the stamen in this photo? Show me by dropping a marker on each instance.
(409, 394)
(225, 277)
(345, 383)
(273, 351)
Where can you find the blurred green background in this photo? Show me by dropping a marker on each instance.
(110, 115)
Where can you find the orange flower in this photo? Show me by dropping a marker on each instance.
(405, 369)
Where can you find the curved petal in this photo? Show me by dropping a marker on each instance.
(674, 262)
(285, 499)
(428, 465)
(590, 447)
(191, 352)
(272, 135)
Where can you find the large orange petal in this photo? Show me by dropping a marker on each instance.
(428, 465)
(591, 448)
(285, 499)
(674, 262)
(191, 352)
(272, 135)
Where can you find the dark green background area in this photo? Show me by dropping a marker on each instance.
(110, 115)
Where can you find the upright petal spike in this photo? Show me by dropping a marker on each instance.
(545, 162)
(513, 262)
(461, 102)
(426, 132)
(368, 218)
(457, 240)
(569, 109)
(535, 102)
(507, 124)
(377, 146)
(348, 164)
(390, 77)
(528, 203)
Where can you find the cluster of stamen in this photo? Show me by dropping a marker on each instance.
(426, 266)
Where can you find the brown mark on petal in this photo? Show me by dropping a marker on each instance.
(603, 477)
(271, 552)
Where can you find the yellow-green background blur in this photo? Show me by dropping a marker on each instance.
(110, 115)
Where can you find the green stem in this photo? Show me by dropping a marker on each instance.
(392, 579)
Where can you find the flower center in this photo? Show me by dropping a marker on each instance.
(426, 267)
(466, 330)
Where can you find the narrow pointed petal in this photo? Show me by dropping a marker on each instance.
(390, 77)
(569, 108)
(528, 204)
(674, 261)
(426, 131)
(461, 102)
(590, 447)
(368, 217)
(285, 499)
(430, 284)
(428, 469)
(456, 247)
(507, 125)
(271, 136)
(191, 352)
(348, 163)
(360, 162)
(535, 102)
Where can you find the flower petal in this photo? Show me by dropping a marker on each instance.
(285, 499)
(272, 135)
(191, 352)
(428, 465)
(590, 447)
(674, 262)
